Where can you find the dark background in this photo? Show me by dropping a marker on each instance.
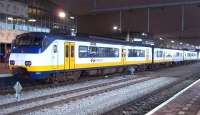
(99, 16)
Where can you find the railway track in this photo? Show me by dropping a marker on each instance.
(34, 104)
(146, 103)
(33, 85)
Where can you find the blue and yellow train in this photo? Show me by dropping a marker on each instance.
(41, 55)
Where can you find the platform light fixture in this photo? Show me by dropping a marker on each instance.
(72, 17)
(144, 34)
(172, 41)
(10, 18)
(181, 43)
(72, 29)
(161, 38)
(32, 20)
(152, 44)
(115, 27)
(62, 14)
(137, 40)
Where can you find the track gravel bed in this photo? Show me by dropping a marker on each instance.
(6, 86)
(50, 90)
(104, 100)
(67, 95)
(147, 103)
(9, 98)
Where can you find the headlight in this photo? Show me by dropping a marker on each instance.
(28, 63)
(12, 62)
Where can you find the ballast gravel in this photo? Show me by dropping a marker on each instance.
(47, 91)
(101, 103)
(168, 72)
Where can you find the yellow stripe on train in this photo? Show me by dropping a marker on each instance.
(87, 65)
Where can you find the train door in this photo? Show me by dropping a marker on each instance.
(69, 60)
(55, 56)
(147, 55)
(123, 59)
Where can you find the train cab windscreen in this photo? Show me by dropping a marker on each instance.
(28, 41)
(29, 44)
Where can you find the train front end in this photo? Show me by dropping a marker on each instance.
(26, 54)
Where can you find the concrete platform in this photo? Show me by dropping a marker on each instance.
(186, 102)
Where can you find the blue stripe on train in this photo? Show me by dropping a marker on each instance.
(41, 75)
(44, 74)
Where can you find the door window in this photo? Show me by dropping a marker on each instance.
(72, 51)
(66, 51)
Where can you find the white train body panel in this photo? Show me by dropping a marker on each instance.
(97, 59)
(147, 58)
(190, 55)
(54, 59)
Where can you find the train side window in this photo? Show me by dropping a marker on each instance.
(72, 51)
(83, 51)
(66, 51)
(55, 49)
(136, 53)
(160, 54)
(113, 52)
(101, 52)
(178, 54)
(45, 43)
(93, 51)
(116, 52)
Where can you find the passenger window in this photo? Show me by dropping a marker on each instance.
(160, 54)
(136, 53)
(83, 51)
(93, 51)
(66, 51)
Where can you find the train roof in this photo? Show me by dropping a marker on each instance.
(86, 38)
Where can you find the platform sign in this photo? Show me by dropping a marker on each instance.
(18, 88)
(13, 8)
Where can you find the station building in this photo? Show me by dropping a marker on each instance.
(21, 16)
